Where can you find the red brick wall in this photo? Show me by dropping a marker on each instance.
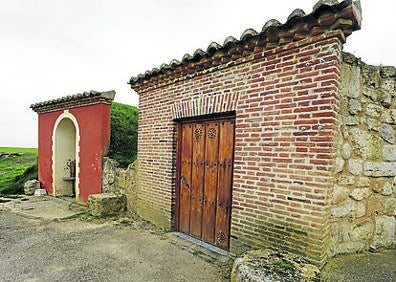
(286, 122)
(156, 139)
(286, 103)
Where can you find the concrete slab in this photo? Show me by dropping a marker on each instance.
(45, 207)
(78, 250)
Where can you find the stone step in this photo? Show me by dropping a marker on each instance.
(106, 204)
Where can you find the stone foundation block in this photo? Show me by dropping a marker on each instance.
(268, 265)
(350, 247)
(384, 231)
(389, 116)
(366, 145)
(387, 189)
(363, 182)
(349, 208)
(339, 164)
(31, 186)
(374, 110)
(362, 231)
(359, 194)
(340, 194)
(354, 106)
(387, 133)
(106, 204)
(377, 169)
(346, 151)
(355, 166)
(389, 153)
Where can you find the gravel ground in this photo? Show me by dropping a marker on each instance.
(37, 249)
(370, 267)
(36, 246)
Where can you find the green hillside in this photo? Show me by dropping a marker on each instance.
(124, 131)
(17, 165)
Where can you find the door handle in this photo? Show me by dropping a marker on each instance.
(184, 181)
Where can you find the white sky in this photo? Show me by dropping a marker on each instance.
(54, 48)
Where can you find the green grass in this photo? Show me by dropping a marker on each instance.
(18, 150)
(16, 170)
(197, 252)
(286, 265)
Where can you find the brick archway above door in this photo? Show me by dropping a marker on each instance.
(204, 181)
(205, 105)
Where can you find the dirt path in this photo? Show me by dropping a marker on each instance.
(37, 249)
(36, 246)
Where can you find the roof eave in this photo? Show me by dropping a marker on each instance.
(104, 96)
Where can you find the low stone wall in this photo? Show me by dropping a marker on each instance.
(121, 181)
(364, 197)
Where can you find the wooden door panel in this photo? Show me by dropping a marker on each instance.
(185, 178)
(198, 173)
(210, 182)
(205, 184)
(223, 208)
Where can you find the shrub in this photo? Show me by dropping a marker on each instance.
(123, 133)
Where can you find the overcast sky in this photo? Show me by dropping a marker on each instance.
(54, 48)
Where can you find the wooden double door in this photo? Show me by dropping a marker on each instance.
(204, 188)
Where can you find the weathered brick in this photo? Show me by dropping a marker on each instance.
(277, 95)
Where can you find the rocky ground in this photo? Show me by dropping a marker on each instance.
(82, 248)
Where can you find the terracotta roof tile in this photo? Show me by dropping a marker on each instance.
(72, 101)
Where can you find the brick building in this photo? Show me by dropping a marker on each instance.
(237, 144)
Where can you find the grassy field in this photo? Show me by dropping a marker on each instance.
(15, 170)
(18, 150)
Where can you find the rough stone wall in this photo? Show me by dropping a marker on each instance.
(121, 181)
(110, 176)
(364, 196)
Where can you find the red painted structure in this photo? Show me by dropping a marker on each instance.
(90, 115)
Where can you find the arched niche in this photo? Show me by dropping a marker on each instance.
(65, 156)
